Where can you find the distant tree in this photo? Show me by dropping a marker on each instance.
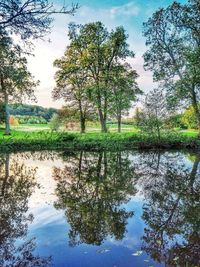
(25, 110)
(173, 38)
(16, 82)
(189, 119)
(138, 117)
(154, 112)
(124, 90)
(55, 123)
(177, 121)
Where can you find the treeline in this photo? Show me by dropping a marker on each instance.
(31, 111)
(94, 76)
(27, 114)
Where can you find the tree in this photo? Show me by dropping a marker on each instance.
(124, 89)
(138, 117)
(189, 119)
(154, 113)
(16, 82)
(54, 123)
(97, 51)
(71, 84)
(173, 38)
(30, 18)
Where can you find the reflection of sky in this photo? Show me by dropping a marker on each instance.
(51, 229)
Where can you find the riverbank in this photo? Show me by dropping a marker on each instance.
(21, 141)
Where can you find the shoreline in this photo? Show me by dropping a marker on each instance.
(37, 141)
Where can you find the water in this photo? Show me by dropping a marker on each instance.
(100, 209)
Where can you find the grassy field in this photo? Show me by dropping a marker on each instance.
(41, 139)
(90, 128)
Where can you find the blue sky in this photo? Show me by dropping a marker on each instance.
(128, 13)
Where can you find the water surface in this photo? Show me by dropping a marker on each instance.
(100, 209)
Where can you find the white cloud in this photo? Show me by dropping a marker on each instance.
(129, 9)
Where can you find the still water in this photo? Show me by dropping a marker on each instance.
(113, 209)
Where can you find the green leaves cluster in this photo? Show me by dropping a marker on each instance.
(173, 40)
(93, 74)
(16, 82)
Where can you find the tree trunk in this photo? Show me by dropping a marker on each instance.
(102, 117)
(82, 122)
(7, 115)
(7, 129)
(119, 122)
(102, 121)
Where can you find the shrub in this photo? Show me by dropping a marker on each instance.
(55, 123)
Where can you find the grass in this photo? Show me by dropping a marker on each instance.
(42, 140)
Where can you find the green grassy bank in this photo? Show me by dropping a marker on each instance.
(20, 141)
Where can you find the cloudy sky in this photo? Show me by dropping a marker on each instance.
(130, 14)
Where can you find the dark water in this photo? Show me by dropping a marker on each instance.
(100, 209)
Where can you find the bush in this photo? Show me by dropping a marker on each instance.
(55, 123)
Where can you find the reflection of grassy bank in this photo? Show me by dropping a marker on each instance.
(93, 141)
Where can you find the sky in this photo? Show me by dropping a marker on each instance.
(127, 13)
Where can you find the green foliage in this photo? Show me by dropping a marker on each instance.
(31, 111)
(95, 141)
(154, 113)
(189, 118)
(173, 40)
(30, 119)
(55, 123)
(92, 76)
(176, 121)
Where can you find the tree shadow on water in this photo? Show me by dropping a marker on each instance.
(91, 188)
(17, 183)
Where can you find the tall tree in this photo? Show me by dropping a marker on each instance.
(71, 84)
(15, 80)
(124, 90)
(98, 51)
(173, 38)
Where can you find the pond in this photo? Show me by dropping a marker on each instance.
(113, 209)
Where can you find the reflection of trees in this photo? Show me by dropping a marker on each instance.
(17, 183)
(172, 211)
(92, 187)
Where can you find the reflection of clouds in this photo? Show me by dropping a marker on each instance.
(130, 242)
(46, 215)
(45, 194)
